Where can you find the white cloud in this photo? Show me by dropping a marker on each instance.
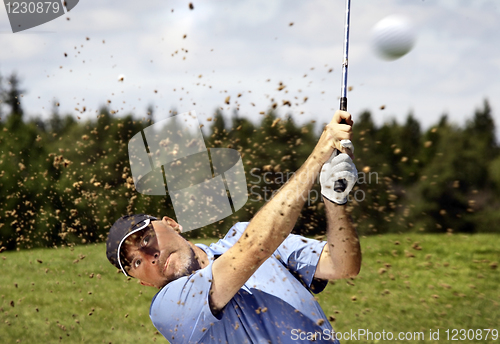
(250, 13)
(21, 48)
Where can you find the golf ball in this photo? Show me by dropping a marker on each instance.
(393, 37)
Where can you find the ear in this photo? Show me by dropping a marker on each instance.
(172, 223)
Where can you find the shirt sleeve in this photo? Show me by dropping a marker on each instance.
(301, 256)
(180, 311)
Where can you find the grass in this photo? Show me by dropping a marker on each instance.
(408, 283)
(414, 283)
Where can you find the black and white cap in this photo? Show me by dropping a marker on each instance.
(120, 231)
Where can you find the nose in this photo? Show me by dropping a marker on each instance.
(153, 256)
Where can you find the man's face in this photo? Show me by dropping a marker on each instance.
(158, 255)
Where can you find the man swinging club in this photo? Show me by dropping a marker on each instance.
(254, 285)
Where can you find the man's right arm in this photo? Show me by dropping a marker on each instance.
(272, 224)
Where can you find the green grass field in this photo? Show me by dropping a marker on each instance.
(408, 283)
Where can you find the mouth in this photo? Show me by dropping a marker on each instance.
(165, 267)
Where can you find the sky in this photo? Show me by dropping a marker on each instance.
(172, 57)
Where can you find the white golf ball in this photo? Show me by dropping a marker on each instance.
(393, 37)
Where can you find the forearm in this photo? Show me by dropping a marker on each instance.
(274, 222)
(343, 243)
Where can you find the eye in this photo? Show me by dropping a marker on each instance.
(137, 262)
(145, 240)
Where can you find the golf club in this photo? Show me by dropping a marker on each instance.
(341, 184)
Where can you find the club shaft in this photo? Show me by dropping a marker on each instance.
(341, 184)
(345, 63)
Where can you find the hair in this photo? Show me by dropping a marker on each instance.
(126, 263)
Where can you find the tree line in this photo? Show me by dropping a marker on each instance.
(65, 181)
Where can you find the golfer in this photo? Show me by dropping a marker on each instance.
(255, 284)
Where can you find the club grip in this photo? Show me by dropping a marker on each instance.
(341, 184)
(343, 103)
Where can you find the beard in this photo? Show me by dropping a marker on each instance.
(185, 264)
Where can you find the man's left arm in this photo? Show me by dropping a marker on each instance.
(341, 256)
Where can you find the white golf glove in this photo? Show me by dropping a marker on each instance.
(339, 166)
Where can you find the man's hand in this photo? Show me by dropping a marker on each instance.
(333, 133)
(339, 166)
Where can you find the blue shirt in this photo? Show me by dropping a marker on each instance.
(273, 306)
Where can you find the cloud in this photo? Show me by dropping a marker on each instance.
(102, 19)
(249, 13)
(23, 47)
